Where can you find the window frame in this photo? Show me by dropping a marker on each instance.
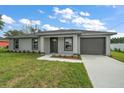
(65, 44)
(33, 44)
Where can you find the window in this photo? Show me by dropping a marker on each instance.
(35, 44)
(16, 43)
(68, 44)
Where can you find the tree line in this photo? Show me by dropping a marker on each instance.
(117, 40)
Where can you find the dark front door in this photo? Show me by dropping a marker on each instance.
(54, 45)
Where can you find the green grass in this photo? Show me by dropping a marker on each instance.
(23, 70)
(118, 55)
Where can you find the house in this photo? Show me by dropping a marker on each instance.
(64, 42)
(4, 43)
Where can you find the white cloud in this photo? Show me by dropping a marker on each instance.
(51, 17)
(7, 19)
(84, 13)
(29, 22)
(40, 11)
(62, 20)
(24, 21)
(118, 35)
(36, 22)
(63, 11)
(112, 30)
(49, 27)
(91, 24)
(80, 18)
(62, 28)
(94, 27)
(93, 21)
(66, 13)
(94, 24)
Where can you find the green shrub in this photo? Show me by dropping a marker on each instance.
(115, 49)
(27, 51)
(59, 55)
(39, 52)
(76, 54)
(24, 51)
(33, 51)
(19, 51)
(119, 50)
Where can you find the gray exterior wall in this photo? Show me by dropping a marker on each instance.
(11, 44)
(47, 45)
(25, 44)
(44, 43)
(76, 44)
(108, 50)
(61, 46)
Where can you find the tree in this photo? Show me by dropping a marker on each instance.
(117, 40)
(1, 23)
(14, 33)
(32, 29)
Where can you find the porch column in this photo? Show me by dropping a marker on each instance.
(41, 46)
(75, 44)
(108, 52)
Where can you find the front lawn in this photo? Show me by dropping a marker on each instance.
(118, 55)
(23, 70)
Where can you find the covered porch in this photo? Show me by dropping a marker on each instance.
(61, 44)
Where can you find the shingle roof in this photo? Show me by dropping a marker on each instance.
(63, 32)
(24, 36)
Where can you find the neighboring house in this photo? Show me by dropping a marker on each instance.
(64, 42)
(4, 43)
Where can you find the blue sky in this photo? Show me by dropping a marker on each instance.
(101, 18)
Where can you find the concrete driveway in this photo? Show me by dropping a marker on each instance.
(104, 72)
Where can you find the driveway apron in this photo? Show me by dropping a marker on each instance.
(103, 71)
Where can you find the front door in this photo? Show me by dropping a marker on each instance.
(54, 45)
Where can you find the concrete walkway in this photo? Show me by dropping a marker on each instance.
(104, 72)
(49, 58)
